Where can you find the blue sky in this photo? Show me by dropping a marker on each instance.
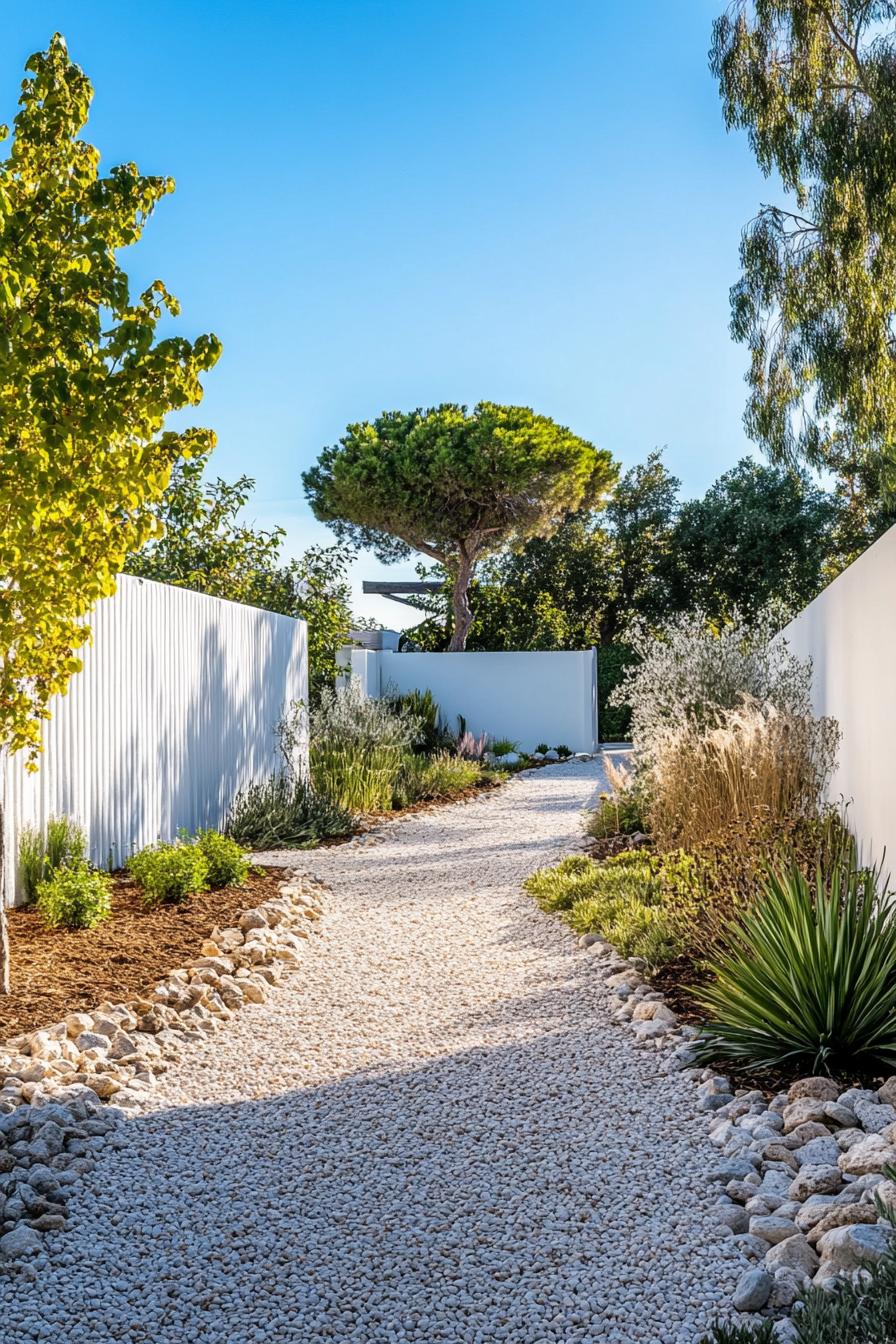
(385, 205)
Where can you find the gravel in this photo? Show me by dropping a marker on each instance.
(430, 1132)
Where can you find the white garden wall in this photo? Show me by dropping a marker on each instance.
(529, 697)
(173, 712)
(849, 632)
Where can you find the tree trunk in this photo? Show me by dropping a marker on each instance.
(460, 604)
(4, 933)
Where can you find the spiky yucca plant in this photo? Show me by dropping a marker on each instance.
(809, 977)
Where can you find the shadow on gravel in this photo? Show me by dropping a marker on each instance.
(505, 1193)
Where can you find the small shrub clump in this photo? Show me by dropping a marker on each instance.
(428, 779)
(41, 855)
(75, 897)
(285, 812)
(168, 874)
(357, 748)
(432, 734)
(637, 900)
(620, 812)
(225, 861)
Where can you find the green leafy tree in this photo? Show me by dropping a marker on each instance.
(85, 387)
(759, 535)
(640, 517)
(455, 486)
(814, 84)
(202, 543)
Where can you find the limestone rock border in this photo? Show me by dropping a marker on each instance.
(65, 1087)
(802, 1175)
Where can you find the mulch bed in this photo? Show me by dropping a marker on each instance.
(59, 971)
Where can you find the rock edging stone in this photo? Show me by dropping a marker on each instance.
(803, 1173)
(65, 1087)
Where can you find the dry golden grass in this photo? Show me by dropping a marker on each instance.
(757, 766)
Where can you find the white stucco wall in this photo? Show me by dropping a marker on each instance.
(529, 697)
(849, 632)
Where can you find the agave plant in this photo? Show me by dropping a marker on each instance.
(809, 978)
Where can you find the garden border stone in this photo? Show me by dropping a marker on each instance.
(767, 1145)
(65, 1087)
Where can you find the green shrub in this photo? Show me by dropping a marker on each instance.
(616, 814)
(423, 779)
(357, 748)
(40, 856)
(169, 873)
(225, 860)
(432, 734)
(636, 900)
(285, 813)
(808, 980)
(563, 751)
(503, 746)
(541, 748)
(75, 897)
(32, 861)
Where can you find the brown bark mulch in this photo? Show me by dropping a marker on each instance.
(59, 971)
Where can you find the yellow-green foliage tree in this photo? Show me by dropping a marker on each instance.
(85, 387)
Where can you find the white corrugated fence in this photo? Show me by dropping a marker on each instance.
(173, 712)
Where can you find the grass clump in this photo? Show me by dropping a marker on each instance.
(63, 845)
(225, 861)
(636, 900)
(75, 896)
(168, 874)
(357, 748)
(431, 778)
(285, 812)
(808, 978)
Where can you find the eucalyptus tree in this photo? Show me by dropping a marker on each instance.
(813, 82)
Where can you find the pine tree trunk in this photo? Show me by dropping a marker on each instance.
(460, 603)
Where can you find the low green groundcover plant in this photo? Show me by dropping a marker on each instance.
(75, 896)
(808, 979)
(852, 1313)
(285, 813)
(225, 860)
(637, 900)
(430, 778)
(169, 873)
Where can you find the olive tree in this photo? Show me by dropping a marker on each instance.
(455, 485)
(84, 391)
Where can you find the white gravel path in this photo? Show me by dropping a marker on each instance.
(430, 1132)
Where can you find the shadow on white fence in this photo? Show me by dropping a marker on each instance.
(174, 711)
